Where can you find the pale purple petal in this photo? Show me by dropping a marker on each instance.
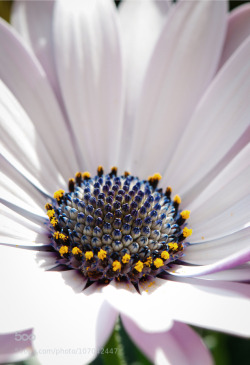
(25, 78)
(16, 346)
(89, 65)
(179, 345)
(220, 119)
(184, 61)
(237, 31)
(141, 24)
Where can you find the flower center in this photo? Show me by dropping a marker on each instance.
(117, 227)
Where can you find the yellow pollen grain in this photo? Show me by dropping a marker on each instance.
(89, 255)
(185, 214)
(48, 206)
(58, 194)
(63, 250)
(165, 255)
(86, 175)
(157, 176)
(76, 251)
(54, 221)
(177, 199)
(116, 265)
(126, 258)
(50, 213)
(139, 266)
(158, 263)
(173, 246)
(149, 261)
(102, 254)
(63, 237)
(187, 232)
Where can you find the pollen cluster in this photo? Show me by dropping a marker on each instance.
(117, 227)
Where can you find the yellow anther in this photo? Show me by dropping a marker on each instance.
(50, 213)
(76, 251)
(139, 266)
(86, 175)
(177, 199)
(158, 263)
(126, 258)
(63, 250)
(48, 206)
(58, 194)
(102, 254)
(169, 190)
(100, 170)
(126, 173)
(116, 265)
(157, 176)
(187, 232)
(113, 170)
(173, 246)
(89, 255)
(149, 261)
(165, 255)
(56, 235)
(185, 214)
(54, 221)
(78, 175)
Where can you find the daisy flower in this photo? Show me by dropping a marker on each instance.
(161, 92)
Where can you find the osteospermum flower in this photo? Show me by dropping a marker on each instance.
(162, 92)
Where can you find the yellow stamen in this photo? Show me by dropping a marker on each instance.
(89, 255)
(187, 232)
(102, 254)
(173, 246)
(139, 266)
(177, 199)
(48, 206)
(165, 255)
(86, 175)
(58, 194)
(126, 173)
(185, 214)
(50, 213)
(63, 250)
(158, 263)
(149, 261)
(78, 175)
(54, 221)
(116, 265)
(126, 258)
(100, 170)
(76, 251)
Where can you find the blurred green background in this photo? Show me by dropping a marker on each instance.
(226, 350)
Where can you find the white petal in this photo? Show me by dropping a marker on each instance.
(183, 63)
(219, 305)
(17, 190)
(88, 61)
(220, 119)
(25, 78)
(237, 258)
(174, 347)
(222, 207)
(16, 229)
(22, 145)
(141, 24)
(237, 31)
(63, 317)
(140, 308)
(210, 252)
(33, 21)
(240, 273)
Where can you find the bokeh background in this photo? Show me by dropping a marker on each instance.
(225, 349)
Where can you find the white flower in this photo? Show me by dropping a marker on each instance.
(166, 90)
